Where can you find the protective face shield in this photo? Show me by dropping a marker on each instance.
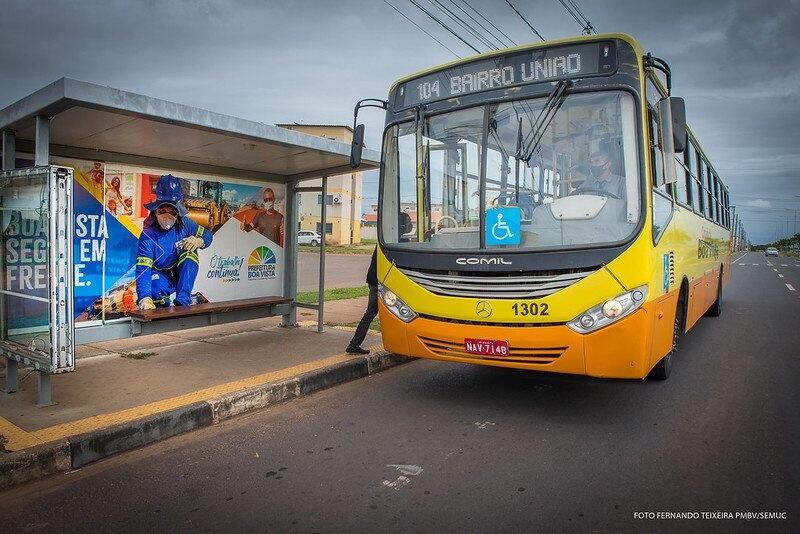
(166, 216)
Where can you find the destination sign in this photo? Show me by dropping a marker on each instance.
(530, 66)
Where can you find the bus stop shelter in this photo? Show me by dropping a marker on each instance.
(41, 190)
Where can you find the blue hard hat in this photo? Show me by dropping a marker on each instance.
(168, 191)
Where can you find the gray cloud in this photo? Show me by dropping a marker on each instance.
(735, 62)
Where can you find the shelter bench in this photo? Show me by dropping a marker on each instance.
(173, 318)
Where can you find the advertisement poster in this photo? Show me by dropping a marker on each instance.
(24, 222)
(243, 260)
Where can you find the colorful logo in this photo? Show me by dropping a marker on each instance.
(261, 264)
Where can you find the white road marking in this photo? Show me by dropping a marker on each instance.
(790, 287)
(774, 269)
(397, 483)
(784, 265)
(780, 275)
(742, 264)
(411, 470)
(402, 480)
(755, 264)
(483, 425)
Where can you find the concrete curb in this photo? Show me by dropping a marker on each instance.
(79, 450)
(34, 463)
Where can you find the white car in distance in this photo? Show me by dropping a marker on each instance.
(308, 237)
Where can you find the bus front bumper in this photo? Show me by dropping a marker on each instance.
(620, 350)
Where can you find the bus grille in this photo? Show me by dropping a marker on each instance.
(496, 285)
(515, 354)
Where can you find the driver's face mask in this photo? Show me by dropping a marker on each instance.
(597, 170)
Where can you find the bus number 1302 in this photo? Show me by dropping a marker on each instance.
(532, 308)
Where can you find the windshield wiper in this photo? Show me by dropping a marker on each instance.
(543, 120)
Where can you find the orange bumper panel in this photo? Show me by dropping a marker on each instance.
(617, 351)
(545, 348)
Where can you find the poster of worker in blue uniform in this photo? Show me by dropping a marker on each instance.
(177, 243)
(166, 259)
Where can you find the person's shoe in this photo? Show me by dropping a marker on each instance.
(356, 350)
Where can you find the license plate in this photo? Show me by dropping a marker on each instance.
(486, 347)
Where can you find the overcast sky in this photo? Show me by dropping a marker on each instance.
(736, 62)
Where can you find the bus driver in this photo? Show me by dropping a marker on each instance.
(601, 181)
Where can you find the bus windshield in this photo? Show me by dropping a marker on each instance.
(563, 172)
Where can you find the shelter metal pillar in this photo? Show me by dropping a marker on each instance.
(290, 252)
(323, 221)
(9, 149)
(12, 367)
(42, 156)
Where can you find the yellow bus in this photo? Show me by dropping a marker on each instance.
(545, 207)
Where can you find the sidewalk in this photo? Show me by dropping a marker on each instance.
(126, 393)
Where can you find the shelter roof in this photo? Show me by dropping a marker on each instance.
(96, 122)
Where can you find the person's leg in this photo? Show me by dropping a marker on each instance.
(186, 274)
(163, 287)
(363, 325)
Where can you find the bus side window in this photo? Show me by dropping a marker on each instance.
(681, 186)
(709, 195)
(701, 196)
(656, 154)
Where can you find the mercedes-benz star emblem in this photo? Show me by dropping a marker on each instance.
(483, 309)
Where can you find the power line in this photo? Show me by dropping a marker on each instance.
(443, 25)
(481, 15)
(571, 12)
(447, 11)
(503, 44)
(572, 8)
(588, 28)
(421, 28)
(524, 19)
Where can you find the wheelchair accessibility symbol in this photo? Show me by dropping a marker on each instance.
(503, 226)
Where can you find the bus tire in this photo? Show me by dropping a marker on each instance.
(663, 368)
(716, 309)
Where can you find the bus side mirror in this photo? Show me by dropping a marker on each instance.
(357, 146)
(672, 113)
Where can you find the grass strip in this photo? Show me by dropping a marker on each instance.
(340, 249)
(336, 293)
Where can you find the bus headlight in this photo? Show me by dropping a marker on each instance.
(395, 305)
(609, 311)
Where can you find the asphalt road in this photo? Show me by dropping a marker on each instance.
(341, 270)
(432, 446)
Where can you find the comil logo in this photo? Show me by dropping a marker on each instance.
(261, 264)
(482, 261)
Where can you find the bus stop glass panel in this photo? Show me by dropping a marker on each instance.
(35, 302)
